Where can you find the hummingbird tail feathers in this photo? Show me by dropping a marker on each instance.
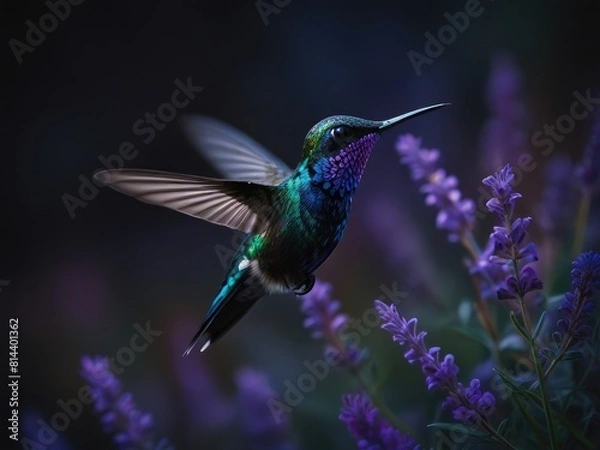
(232, 302)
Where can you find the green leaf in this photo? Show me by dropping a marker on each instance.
(518, 389)
(519, 327)
(557, 338)
(502, 427)
(548, 353)
(573, 354)
(538, 326)
(476, 335)
(508, 380)
(458, 427)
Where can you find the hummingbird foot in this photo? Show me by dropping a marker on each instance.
(306, 286)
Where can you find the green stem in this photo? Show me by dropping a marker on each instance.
(380, 404)
(538, 367)
(563, 349)
(530, 420)
(545, 398)
(566, 344)
(581, 222)
(497, 436)
(524, 310)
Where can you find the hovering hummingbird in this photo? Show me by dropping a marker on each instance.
(293, 219)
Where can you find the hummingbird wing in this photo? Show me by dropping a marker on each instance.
(239, 205)
(233, 153)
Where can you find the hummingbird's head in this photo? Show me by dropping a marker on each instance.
(336, 149)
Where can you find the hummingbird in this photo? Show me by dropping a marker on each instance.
(292, 220)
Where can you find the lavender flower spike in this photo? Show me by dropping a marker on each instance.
(131, 428)
(510, 241)
(467, 404)
(577, 305)
(503, 197)
(455, 215)
(324, 321)
(369, 429)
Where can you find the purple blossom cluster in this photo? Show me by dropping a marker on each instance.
(490, 276)
(467, 404)
(370, 430)
(510, 241)
(455, 215)
(131, 429)
(325, 321)
(577, 304)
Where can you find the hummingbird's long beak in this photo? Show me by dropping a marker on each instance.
(385, 124)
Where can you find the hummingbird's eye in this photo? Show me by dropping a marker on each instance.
(340, 134)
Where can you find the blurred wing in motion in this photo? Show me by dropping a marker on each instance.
(234, 154)
(239, 205)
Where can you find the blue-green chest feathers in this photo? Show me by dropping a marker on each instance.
(311, 212)
(306, 226)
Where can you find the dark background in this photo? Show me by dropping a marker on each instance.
(77, 285)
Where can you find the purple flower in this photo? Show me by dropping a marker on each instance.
(577, 305)
(131, 428)
(324, 321)
(264, 429)
(510, 241)
(440, 374)
(467, 404)
(490, 276)
(516, 288)
(368, 428)
(503, 197)
(456, 215)
(481, 404)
